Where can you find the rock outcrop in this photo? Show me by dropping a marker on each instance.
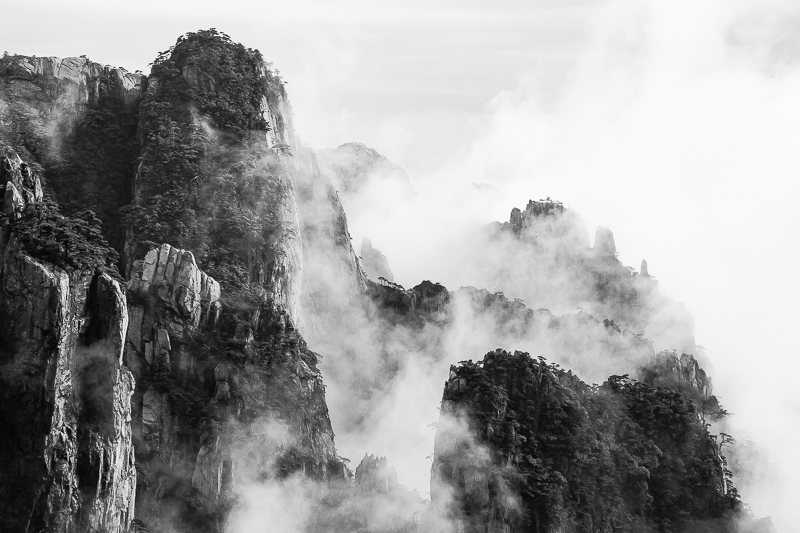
(548, 262)
(211, 377)
(41, 82)
(373, 474)
(20, 186)
(604, 245)
(669, 369)
(67, 455)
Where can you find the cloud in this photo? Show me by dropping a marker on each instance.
(681, 139)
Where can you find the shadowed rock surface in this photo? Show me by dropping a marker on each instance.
(66, 453)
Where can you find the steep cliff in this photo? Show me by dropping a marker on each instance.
(213, 375)
(220, 368)
(67, 456)
(334, 280)
(214, 176)
(213, 339)
(74, 121)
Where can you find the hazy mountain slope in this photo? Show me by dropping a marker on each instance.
(187, 393)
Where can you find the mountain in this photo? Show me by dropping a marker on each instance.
(524, 445)
(184, 321)
(207, 336)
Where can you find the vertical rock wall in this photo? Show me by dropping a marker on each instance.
(67, 455)
(213, 381)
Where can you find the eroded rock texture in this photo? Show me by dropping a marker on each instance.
(66, 451)
(19, 185)
(228, 394)
(74, 121)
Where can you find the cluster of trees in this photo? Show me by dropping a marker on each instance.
(72, 243)
(623, 456)
(207, 182)
(224, 80)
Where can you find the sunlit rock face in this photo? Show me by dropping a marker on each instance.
(42, 82)
(66, 456)
(215, 376)
(20, 186)
(227, 392)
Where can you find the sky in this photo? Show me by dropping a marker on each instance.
(676, 124)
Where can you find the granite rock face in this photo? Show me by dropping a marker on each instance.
(214, 379)
(67, 453)
(373, 474)
(20, 186)
(41, 81)
(682, 371)
(74, 123)
(334, 282)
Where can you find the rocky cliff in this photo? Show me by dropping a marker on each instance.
(209, 368)
(214, 177)
(67, 452)
(74, 122)
(213, 376)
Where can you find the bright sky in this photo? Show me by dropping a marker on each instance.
(677, 124)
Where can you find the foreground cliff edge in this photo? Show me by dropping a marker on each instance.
(153, 367)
